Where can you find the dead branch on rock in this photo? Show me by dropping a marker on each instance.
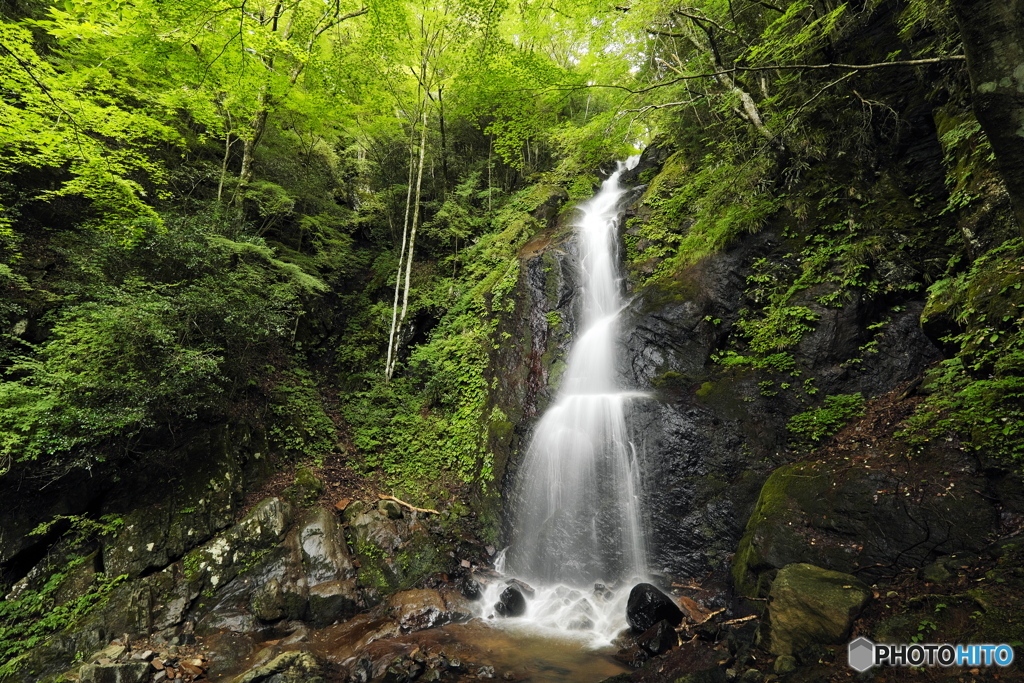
(411, 507)
(733, 622)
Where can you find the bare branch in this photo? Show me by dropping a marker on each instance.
(651, 107)
(411, 507)
(768, 5)
(786, 67)
(700, 17)
(667, 34)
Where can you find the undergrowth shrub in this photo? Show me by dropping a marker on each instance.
(979, 393)
(816, 425)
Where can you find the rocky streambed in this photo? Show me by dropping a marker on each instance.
(306, 593)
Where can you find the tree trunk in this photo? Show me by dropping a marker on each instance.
(389, 364)
(415, 219)
(993, 37)
(444, 142)
(256, 128)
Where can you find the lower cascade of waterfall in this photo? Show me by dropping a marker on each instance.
(578, 543)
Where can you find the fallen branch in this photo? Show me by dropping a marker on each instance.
(411, 507)
(710, 614)
(686, 627)
(731, 622)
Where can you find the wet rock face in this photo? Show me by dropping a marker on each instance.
(277, 569)
(541, 324)
(180, 502)
(708, 436)
(809, 605)
(647, 606)
(659, 638)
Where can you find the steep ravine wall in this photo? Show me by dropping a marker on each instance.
(711, 435)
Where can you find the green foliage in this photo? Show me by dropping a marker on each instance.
(300, 423)
(162, 330)
(31, 617)
(89, 123)
(430, 423)
(58, 592)
(979, 393)
(81, 528)
(694, 210)
(782, 328)
(813, 426)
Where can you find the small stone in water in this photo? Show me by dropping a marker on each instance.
(647, 606)
(512, 603)
(580, 624)
(524, 587)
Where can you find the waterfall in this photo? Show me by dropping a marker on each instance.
(575, 512)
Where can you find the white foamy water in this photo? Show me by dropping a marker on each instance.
(576, 521)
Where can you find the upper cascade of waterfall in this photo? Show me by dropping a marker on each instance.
(576, 520)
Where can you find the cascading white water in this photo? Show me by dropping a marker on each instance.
(575, 517)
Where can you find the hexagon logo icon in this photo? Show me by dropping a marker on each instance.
(861, 654)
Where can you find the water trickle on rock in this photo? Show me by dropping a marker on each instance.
(575, 513)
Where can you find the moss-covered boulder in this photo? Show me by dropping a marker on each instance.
(809, 605)
(306, 488)
(290, 667)
(129, 672)
(859, 518)
(393, 554)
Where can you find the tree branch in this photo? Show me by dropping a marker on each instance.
(787, 67)
(768, 5)
(411, 507)
(698, 18)
(650, 107)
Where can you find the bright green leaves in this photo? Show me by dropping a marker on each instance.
(812, 427)
(84, 126)
(795, 35)
(782, 328)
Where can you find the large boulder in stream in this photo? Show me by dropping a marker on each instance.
(415, 610)
(647, 606)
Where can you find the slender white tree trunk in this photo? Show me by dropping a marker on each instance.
(389, 367)
(415, 219)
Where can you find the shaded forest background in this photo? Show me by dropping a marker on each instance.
(301, 223)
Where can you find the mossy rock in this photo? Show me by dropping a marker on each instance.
(290, 667)
(306, 489)
(809, 605)
(394, 554)
(851, 519)
(353, 511)
(390, 508)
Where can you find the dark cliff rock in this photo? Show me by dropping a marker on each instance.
(865, 517)
(183, 498)
(710, 435)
